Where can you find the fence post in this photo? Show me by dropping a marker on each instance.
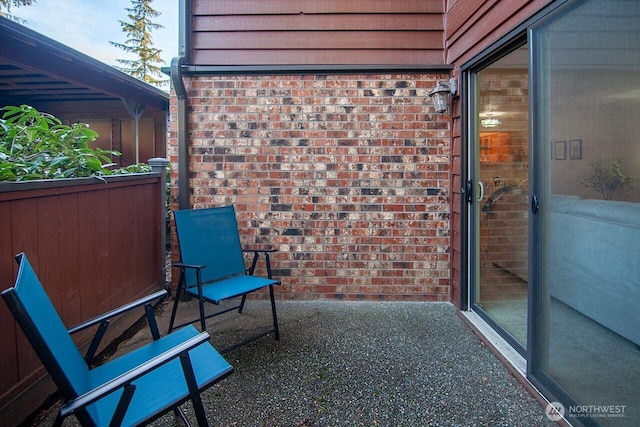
(159, 165)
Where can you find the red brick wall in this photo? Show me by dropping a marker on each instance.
(346, 175)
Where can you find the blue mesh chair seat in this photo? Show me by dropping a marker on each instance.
(212, 265)
(133, 389)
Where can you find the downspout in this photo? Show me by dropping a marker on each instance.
(183, 104)
(183, 134)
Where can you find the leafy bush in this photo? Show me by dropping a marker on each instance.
(36, 145)
(606, 179)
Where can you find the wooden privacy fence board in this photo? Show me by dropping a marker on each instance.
(95, 246)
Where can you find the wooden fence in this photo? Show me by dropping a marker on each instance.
(95, 245)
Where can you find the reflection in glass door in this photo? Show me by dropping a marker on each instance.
(501, 208)
(587, 87)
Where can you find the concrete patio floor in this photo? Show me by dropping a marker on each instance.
(355, 364)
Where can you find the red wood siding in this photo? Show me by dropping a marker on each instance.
(456, 209)
(472, 25)
(94, 248)
(293, 32)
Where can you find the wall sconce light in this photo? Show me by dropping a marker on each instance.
(440, 94)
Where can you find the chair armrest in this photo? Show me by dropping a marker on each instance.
(256, 254)
(128, 377)
(194, 266)
(118, 311)
(254, 250)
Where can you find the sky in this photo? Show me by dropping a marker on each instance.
(89, 25)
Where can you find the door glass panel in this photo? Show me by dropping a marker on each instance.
(502, 210)
(588, 107)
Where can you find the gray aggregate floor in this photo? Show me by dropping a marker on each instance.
(358, 364)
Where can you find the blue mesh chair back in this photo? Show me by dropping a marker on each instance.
(42, 325)
(210, 237)
(132, 389)
(212, 266)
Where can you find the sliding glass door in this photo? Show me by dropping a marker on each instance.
(553, 203)
(587, 256)
(500, 211)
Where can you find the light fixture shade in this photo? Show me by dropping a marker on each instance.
(440, 95)
(440, 101)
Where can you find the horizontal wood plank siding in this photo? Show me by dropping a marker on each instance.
(358, 32)
(304, 40)
(283, 7)
(369, 22)
(347, 57)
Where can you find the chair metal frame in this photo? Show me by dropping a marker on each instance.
(157, 377)
(215, 288)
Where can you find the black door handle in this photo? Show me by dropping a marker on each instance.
(468, 191)
(534, 204)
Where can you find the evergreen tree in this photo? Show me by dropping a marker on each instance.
(140, 43)
(6, 4)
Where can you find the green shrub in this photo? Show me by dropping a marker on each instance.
(36, 145)
(607, 179)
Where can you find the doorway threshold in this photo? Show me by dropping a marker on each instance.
(514, 362)
(500, 346)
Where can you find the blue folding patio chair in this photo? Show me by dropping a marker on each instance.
(133, 389)
(212, 265)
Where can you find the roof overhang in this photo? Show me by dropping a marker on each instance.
(35, 68)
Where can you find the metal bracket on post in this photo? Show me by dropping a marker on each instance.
(135, 111)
